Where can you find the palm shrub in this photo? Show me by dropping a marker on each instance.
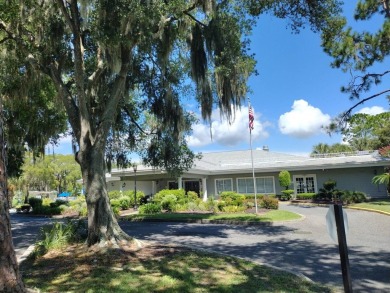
(59, 235)
(329, 191)
(353, 197)
(383, 179)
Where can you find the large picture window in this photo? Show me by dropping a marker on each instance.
(264, 185)
(222, 185)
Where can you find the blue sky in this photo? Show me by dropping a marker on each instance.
(294, 95)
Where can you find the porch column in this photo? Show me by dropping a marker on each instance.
(204, 189)
(153, 187)
(180, 183)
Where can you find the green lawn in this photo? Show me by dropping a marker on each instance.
(155, 268)
(379, 205)
(271, 216)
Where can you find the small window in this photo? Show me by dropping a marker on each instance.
(222, 185)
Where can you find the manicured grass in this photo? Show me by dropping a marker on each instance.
(379, 205)
(157, 268)
(271, 216)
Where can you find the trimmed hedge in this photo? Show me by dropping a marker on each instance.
(309, 195)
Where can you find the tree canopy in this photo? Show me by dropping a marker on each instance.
(123, 70)
(358, 52)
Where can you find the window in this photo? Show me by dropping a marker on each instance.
(305, 183)
(222, 185)
(264, 185)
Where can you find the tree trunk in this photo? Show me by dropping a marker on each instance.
(10, 279)
(103, 227)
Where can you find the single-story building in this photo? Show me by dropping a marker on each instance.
(232, 171)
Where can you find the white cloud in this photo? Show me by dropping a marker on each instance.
(303, 120)
(225, 133)
(374, 110)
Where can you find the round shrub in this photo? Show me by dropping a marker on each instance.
(178, 193)
(35, 202)
(169, 203)
(115, 203)
(192, 196)
(269, 203)
(233, 198)
(115, 194)
(150, 208)
(124, 202)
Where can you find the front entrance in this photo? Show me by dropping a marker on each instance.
(305, 183)
(192, 186)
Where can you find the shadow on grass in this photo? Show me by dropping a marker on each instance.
(157, 268)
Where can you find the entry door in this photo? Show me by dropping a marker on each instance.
(192, 186)
(305, 183)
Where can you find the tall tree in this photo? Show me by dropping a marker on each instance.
(10, 279)
(357, 52)
(120, 68)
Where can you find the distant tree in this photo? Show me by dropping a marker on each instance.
(366, 132)
(284, 179)
(323, 148)
(358, 52)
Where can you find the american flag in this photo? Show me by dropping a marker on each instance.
(251, 118)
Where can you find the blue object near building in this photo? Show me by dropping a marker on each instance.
(64, 194)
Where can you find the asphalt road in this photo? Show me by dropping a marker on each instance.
(303, 246)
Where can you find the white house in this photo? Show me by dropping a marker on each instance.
(232, 171)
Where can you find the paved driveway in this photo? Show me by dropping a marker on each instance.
(300, 246)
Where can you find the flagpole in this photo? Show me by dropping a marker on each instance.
(250, 142)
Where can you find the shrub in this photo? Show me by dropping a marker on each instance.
(192, 196)
(269, 203)
(169, 203)
(233, 198)
(284, 179)
(130, 194)
(182, 207)
(58, 202)
(124, 202)
(305, 195)
(287, 194)
(353, 197)
(115, 194)
(178, 193)
(115, 203)
(59, 235)
(35, 203)
(150, 208)
(192, 207)
(211, 205)
(233, 209)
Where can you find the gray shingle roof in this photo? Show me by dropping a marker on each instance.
(240, 161)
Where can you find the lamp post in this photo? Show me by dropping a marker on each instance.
(135, 186)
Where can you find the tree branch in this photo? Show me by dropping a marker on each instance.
(198, 21)
(347, 113)
(135, 122)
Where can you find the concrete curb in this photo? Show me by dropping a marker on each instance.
(368, 210)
